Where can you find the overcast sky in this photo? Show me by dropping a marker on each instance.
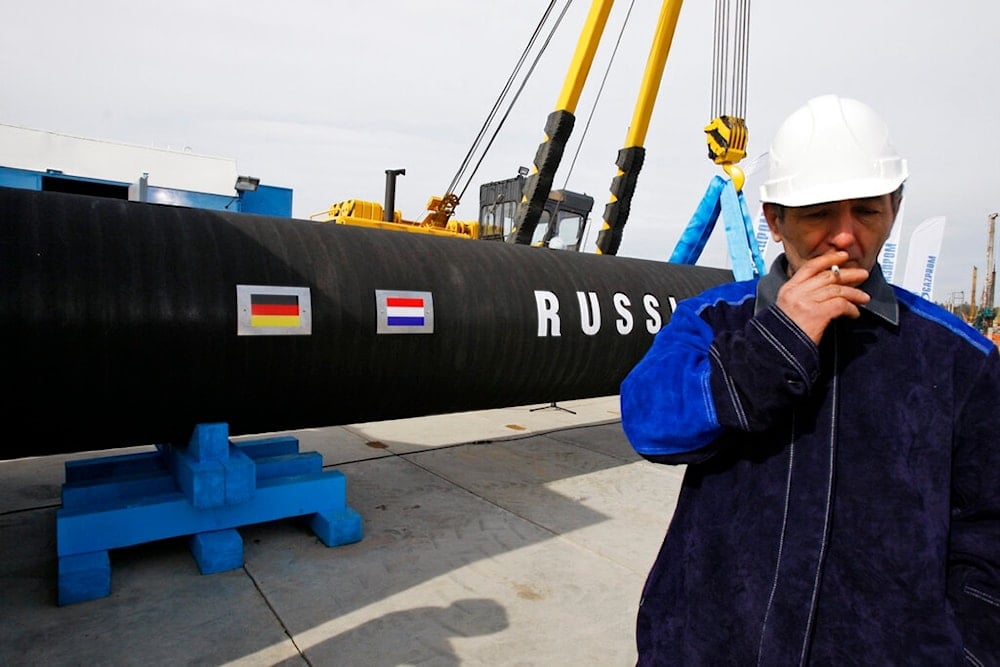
(324, 96)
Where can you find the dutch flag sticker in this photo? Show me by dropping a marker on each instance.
(401, 311)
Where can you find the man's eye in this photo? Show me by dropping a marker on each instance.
(869, 213)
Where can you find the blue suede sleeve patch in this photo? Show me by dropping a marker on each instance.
(666, 400)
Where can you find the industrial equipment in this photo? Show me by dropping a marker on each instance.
(563, 224)
(544, 216)
(726, 134)
(983, 319)
(135, 322)
(564, 218)
(129, 323)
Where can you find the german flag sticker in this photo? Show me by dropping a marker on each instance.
(271, 310)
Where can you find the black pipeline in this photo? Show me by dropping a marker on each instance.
(126, 323)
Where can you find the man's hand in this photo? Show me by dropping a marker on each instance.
(814, 295)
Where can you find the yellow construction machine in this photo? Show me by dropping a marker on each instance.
(525, 209)
(563, 223)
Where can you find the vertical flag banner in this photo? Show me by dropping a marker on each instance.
(273, 310)
(401, 311)
(768, 248)
(888, 257)
(922, 257)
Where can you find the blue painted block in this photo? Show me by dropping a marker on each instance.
(207, 478)
(217, 551)
(209, 442)
(290, 465)
(279, 445)
(337, 527)
(146, 519)
(194, 491)
(114, 467)
(203, 482)
(102, 493)
(241, 477)
(84, 577)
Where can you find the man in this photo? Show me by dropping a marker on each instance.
(841, 502)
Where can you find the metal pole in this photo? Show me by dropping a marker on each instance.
(389, 211)
(991, 269)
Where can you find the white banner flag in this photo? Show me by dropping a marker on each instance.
(922, 257)
(888, 257)
(765, 243)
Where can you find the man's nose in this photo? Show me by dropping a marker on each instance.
(842, 229)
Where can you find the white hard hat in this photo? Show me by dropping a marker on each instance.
(832, 148)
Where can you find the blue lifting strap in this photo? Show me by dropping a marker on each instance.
(722, 198)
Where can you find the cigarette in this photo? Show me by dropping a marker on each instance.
(836, 270)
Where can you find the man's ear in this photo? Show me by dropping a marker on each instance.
(772, 213)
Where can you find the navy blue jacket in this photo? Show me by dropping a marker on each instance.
(841, 503)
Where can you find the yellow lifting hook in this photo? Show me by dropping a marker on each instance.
(727, 145)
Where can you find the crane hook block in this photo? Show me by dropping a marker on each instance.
(727, 139)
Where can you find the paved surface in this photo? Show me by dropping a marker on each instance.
(519, 536)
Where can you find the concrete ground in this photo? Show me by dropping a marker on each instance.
(519, 536)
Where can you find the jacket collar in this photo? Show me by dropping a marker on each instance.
(883, 300)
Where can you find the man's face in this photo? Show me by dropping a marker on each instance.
(859, 226)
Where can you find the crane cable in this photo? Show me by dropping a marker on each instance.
(496, 105)
(729, 89)
(727, 132)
